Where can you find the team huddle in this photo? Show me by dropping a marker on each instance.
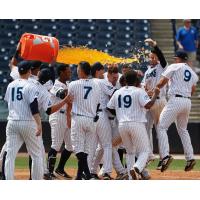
(98, 117)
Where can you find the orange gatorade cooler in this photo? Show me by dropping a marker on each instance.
(39, 47)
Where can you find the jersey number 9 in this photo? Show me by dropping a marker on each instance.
(127, 101)
(17, 93)
(187, 75)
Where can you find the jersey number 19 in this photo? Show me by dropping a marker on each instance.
(126, 100)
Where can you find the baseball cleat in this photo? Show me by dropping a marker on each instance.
(135, 173)
(122, 176)
(95, 176)
(190, 164)
(106, 176)
(145, 175)
(166, 161)
(63, 174)
(159, 165)
(49, 176)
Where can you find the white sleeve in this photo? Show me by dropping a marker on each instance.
(70, 88)
(55, 89)
(6, 98)
(14, 73)
(143, 98)
(111, 103)
(47, 103)
(30, 92)
(106, 88)
(196, 78)
(169, 71)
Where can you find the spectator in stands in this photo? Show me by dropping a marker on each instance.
(187, 40)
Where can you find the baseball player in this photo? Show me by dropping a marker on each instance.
(24, 123)
(103, 136)
(35, 67)
(157, 66)
(86, 99)
(112, 81)
(60, 131)
(128, 104)
(182, 80)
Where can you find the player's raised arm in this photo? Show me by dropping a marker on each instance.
(157, 51)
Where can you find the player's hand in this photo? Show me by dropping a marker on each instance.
(157, 91)
(150, 93)
(39, 131)
(151, 42)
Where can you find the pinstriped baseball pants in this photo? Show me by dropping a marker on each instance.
(60, 132)
(18, 132)
(135, 140)
(103, 137)
(176, 110)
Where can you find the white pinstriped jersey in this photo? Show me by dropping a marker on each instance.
(44, 97)
(129, 102)
(181, 79)
(107, 90)
(86, 93)
(152, 77)
(55, 89)
(19, 94)
(117, 84)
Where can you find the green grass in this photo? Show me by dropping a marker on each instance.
(22, 163)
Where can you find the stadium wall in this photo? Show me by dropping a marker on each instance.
(174, 140)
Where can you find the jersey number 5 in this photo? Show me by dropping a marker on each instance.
(187, 75)
(126, 100)
(88, 89)
(17, 93)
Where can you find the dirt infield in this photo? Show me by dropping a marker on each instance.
(22, 174)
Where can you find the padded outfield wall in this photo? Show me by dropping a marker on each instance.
(174, 140)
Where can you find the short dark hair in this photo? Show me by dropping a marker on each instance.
(131, 77)
(96, 67)
(85, 67)
(122, 81)
(60, 67)
(126, 66)
(113, 70)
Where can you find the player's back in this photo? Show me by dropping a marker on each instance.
(182, 79)
(86, 97)
(129, 104)
(19, 94)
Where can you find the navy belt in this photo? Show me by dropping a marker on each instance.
(178, 95)
(111, 118)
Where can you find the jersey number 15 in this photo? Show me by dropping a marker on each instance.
(17, 93)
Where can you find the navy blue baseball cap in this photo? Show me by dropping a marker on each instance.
(181, 54)
(24, 66)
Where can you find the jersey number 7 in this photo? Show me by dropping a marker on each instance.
(88, 89)
(17, 93)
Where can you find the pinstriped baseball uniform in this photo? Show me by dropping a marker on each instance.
(151, 78)
(21, 127)
(103, 134)
(129, 104)
(181, 79)
(44, 102)
(58, 121)
(86, 94)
